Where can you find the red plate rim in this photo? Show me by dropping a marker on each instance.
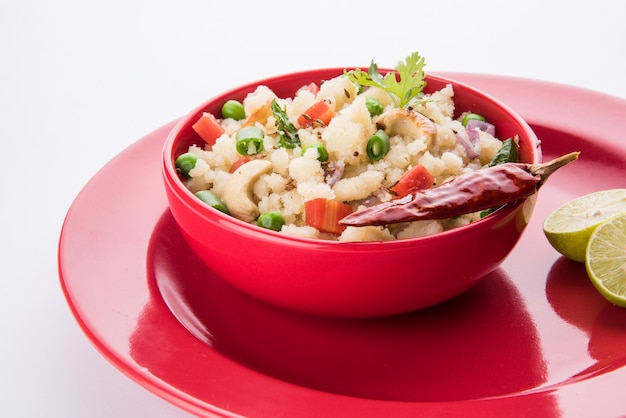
(108, 293)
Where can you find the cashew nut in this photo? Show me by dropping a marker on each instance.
(408, 123)
(238, 193)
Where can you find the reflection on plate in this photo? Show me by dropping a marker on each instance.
(437, 354)
(534, 337)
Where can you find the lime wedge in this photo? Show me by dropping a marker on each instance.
(569, 227)
(606, 259)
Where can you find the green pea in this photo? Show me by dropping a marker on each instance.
(212, 200)
(233, 109)
(378, 145)
(322, 152)
(271, 220)
(473, 116)
(185, 163)
(249, 140)
(374, 107)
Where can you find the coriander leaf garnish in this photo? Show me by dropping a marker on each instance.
(404, 85)
(287, 132)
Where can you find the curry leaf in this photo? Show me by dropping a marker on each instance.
(507, 153)
(287, 132)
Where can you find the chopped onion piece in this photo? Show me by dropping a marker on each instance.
(471, 141)
(334, 171)
(473, 126)
(472, 149)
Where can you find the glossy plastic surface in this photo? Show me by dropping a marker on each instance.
(533, 339)
(348, 279)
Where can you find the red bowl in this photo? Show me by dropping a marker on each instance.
(348, 279)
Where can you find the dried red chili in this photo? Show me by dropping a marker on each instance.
(470, 192)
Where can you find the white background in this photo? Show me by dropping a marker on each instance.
(82, 80)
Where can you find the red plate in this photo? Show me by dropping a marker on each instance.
(534, 338)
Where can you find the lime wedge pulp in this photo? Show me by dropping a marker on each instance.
(606, 259)
(570, 226)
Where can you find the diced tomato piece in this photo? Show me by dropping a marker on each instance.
(239, 162)
(318, 114)
(325, 215)
(208, 127)
(417, 178)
